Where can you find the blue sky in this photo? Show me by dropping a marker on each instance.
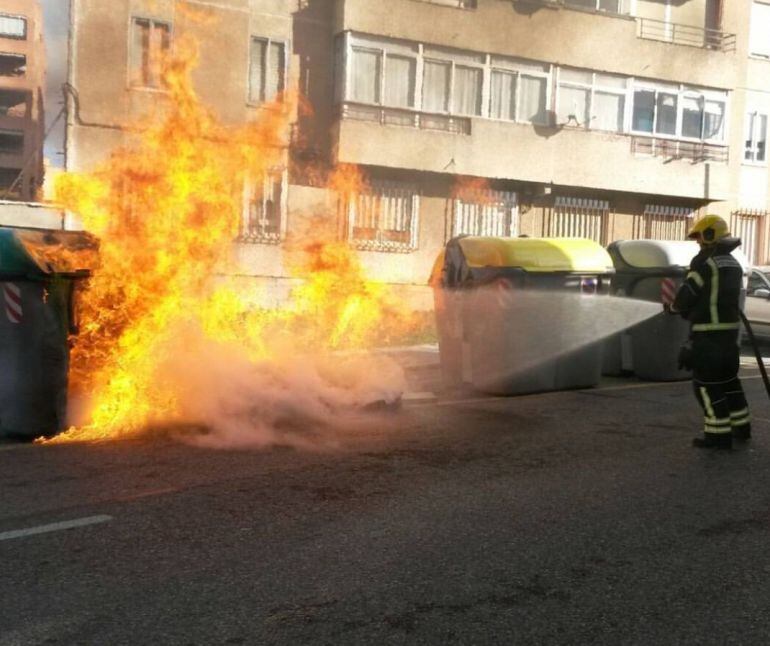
(56, 26)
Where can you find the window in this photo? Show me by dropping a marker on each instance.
(574, 96)
(14, 103)
(655, 111)
(485, 213)
(759, 41)
(383, 73)
(578, 217)
(366, 75)
(443, 84)
(755, 147)
(672, 111)
(518, 91)
(664, 222)
(591, 100)
(267, 70)
(666, 112)
(610, 6)
(452, 82)
(150, 43)
(11, 142)
(13, 27)
(459, 4)
(439, 81)
(13, 64)
(264, 208)
(467, 90)
(435, 87)
(384, 217)
(400, 73)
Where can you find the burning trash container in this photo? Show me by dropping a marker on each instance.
(645, 270)
(38, 273)
(514, 315)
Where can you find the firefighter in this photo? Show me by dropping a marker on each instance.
(709, 299)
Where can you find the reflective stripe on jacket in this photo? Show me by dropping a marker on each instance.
(710, 295)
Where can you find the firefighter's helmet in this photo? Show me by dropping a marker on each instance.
(709, 229)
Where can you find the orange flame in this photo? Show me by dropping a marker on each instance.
(167, 210)
(473, 189)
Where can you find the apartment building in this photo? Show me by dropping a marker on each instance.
(22, 77)
(607, 119)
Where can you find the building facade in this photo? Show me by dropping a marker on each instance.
(606, 119)
(22, 116)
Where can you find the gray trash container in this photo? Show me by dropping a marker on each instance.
(500, 326)
(650, 349)
(39, 270)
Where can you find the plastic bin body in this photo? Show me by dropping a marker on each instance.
(448, 306)
(34, 359)
(514, 339)
(35, 325)
(497, 341)
(650, 349)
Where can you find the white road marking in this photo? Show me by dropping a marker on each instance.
(54, 527)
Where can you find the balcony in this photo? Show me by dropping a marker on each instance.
(585, 36)
(687, 35)
(686, 150)
(456, 4)
(407, 118)
(540, 154)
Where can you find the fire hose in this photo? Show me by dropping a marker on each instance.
(757, 354)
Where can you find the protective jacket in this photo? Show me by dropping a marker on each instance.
(710, 295)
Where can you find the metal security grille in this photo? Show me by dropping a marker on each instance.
(661, 222)
(486, 213)
(264, 202)
(384, 218)
(578, 217)
(747, 225)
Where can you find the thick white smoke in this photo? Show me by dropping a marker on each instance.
(295, 400)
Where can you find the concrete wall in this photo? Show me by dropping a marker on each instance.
(29, 214)
(101, 59)
(577, 162)
(515, 151)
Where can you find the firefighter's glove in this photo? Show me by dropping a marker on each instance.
(684, 360)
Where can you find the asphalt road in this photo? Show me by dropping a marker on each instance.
(579, 517)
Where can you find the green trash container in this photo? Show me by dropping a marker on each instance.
(38, 274)
(503, 328)
(650, 349)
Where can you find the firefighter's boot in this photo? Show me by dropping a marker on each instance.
(722, 441)
(742, 433)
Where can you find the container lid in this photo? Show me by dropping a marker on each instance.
(649, 254)
(41, 253)
(537, 254)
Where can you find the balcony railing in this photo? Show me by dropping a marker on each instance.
(670, 32)
(692, 150)
(457, 4)
(408, 118)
